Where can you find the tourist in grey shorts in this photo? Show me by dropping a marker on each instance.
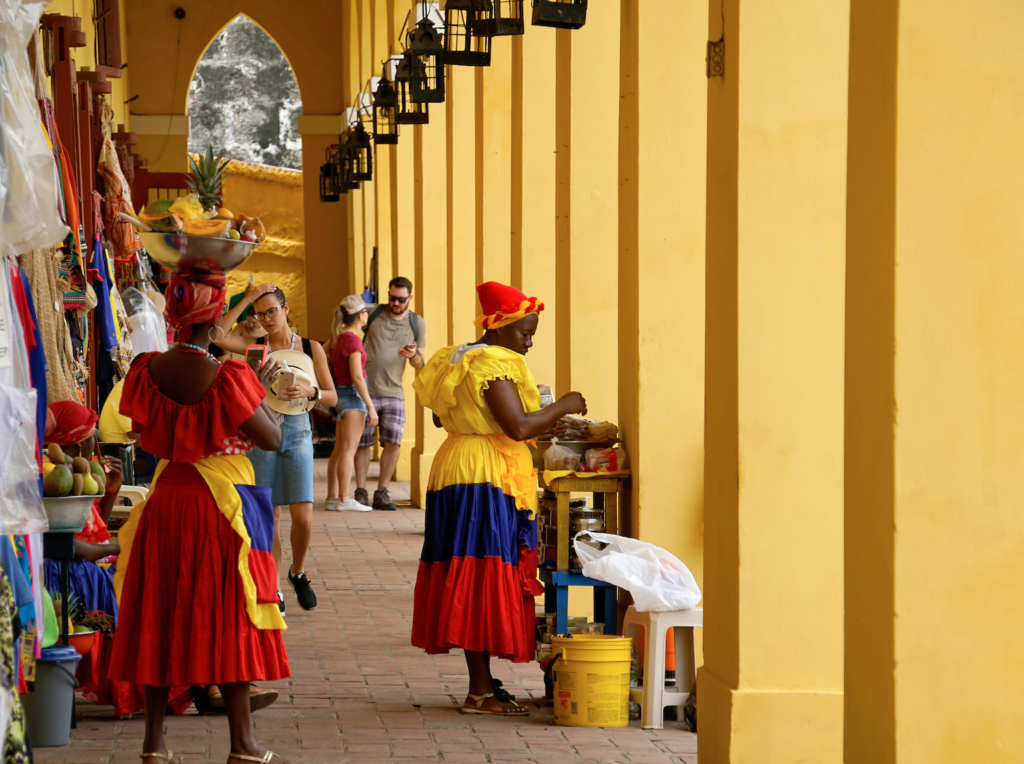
(393, 336)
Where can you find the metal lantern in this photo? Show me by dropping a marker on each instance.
(385, 104)
(344, 179)
(409, 111)
(328, 192)
(360, 149)
(561, 14)
(467, 32)
(427, 47)
(507, 18)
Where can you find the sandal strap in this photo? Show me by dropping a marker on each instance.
(265, 759)
(479, 699)
(169, 756)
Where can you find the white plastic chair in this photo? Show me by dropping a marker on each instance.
(136, 494)
(654, 695)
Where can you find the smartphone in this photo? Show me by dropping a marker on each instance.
(284, 379)
(256, 356)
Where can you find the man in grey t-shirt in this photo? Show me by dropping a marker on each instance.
(393, 335)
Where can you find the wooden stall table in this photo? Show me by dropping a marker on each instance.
(557, 579)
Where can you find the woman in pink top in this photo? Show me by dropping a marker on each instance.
(348, 360)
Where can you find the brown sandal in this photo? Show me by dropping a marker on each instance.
(517, 709)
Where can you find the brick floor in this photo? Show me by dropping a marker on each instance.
(360, 692)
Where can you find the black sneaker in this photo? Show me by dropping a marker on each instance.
(381, 500)
(280, 603)
(303, 591)
(362, 496)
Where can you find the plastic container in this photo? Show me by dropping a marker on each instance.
(591, 677)
(68, 513)
(49, 708)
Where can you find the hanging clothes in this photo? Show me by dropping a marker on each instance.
(36, 354)
(122, 234)
(41, 268)
(16, 745)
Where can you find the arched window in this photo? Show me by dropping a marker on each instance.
(244, 100)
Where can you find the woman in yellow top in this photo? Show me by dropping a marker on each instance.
(478, 571)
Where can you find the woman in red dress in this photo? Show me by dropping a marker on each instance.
(196, 582)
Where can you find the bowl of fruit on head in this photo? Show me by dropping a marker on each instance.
(195, 232)
(70, 486)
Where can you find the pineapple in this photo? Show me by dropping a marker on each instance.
(207, 177)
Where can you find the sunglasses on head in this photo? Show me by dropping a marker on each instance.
(396, 298)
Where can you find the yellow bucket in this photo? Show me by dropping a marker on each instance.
(591, 677)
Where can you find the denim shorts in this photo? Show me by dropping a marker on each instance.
(348, 400)
(287, 472)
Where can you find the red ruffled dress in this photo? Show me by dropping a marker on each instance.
(184, 614)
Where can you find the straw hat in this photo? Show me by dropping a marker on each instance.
(302, 365)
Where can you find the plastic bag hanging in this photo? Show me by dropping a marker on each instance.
(29, 181)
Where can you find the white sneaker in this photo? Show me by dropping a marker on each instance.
(351, 505)
(331, 505)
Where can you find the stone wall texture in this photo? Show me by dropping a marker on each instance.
(244, 100)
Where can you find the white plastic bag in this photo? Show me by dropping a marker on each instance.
(657, 580)
(29, 179)
(147, 327)
(21, 502)
(559, 458)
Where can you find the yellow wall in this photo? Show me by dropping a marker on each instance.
(934, 604)
(771, 688)
(275, 196)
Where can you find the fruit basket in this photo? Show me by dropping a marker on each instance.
(82, 641)
(68, 513)
(185, 252)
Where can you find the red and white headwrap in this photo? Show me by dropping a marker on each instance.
(504, 305)
(194, 298)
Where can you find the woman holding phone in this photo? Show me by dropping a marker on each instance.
(348, 359)
(288, 471)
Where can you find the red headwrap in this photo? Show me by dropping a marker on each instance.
(504, 305)
(194, 298)
(72, 423)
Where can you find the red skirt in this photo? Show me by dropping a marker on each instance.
(182, 615)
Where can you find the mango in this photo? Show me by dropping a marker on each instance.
(80, 465)
(97, 469)
(59, 482)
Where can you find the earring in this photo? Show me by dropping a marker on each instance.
(210, 330)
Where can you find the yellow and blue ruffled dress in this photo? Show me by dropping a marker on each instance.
(477, 577)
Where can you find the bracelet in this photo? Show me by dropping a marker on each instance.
(317, 395)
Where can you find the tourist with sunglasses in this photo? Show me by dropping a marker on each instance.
(288, 471)
(393, 335)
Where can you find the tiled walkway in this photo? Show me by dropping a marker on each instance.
(359, 692)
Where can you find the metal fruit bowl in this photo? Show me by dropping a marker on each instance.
(208, 254)
(68, 513)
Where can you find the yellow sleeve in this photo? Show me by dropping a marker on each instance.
(495, 363)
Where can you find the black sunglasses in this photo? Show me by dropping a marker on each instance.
(396, 298)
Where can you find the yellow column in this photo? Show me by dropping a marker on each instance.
(461, 198)
(533, 186)
(404, 259)
(431, 279)
(588, 137)
(494, 165)
(934, 530)
(771, 686)
(661, 274)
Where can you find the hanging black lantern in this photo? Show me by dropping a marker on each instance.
(360, 152)
(385, 104)
(561, 14)
(427, 47)
(409, 111)
(507, 18)
(343, 172)
(328, 193)
(467, 32)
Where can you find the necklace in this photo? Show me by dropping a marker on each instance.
(184, 347)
